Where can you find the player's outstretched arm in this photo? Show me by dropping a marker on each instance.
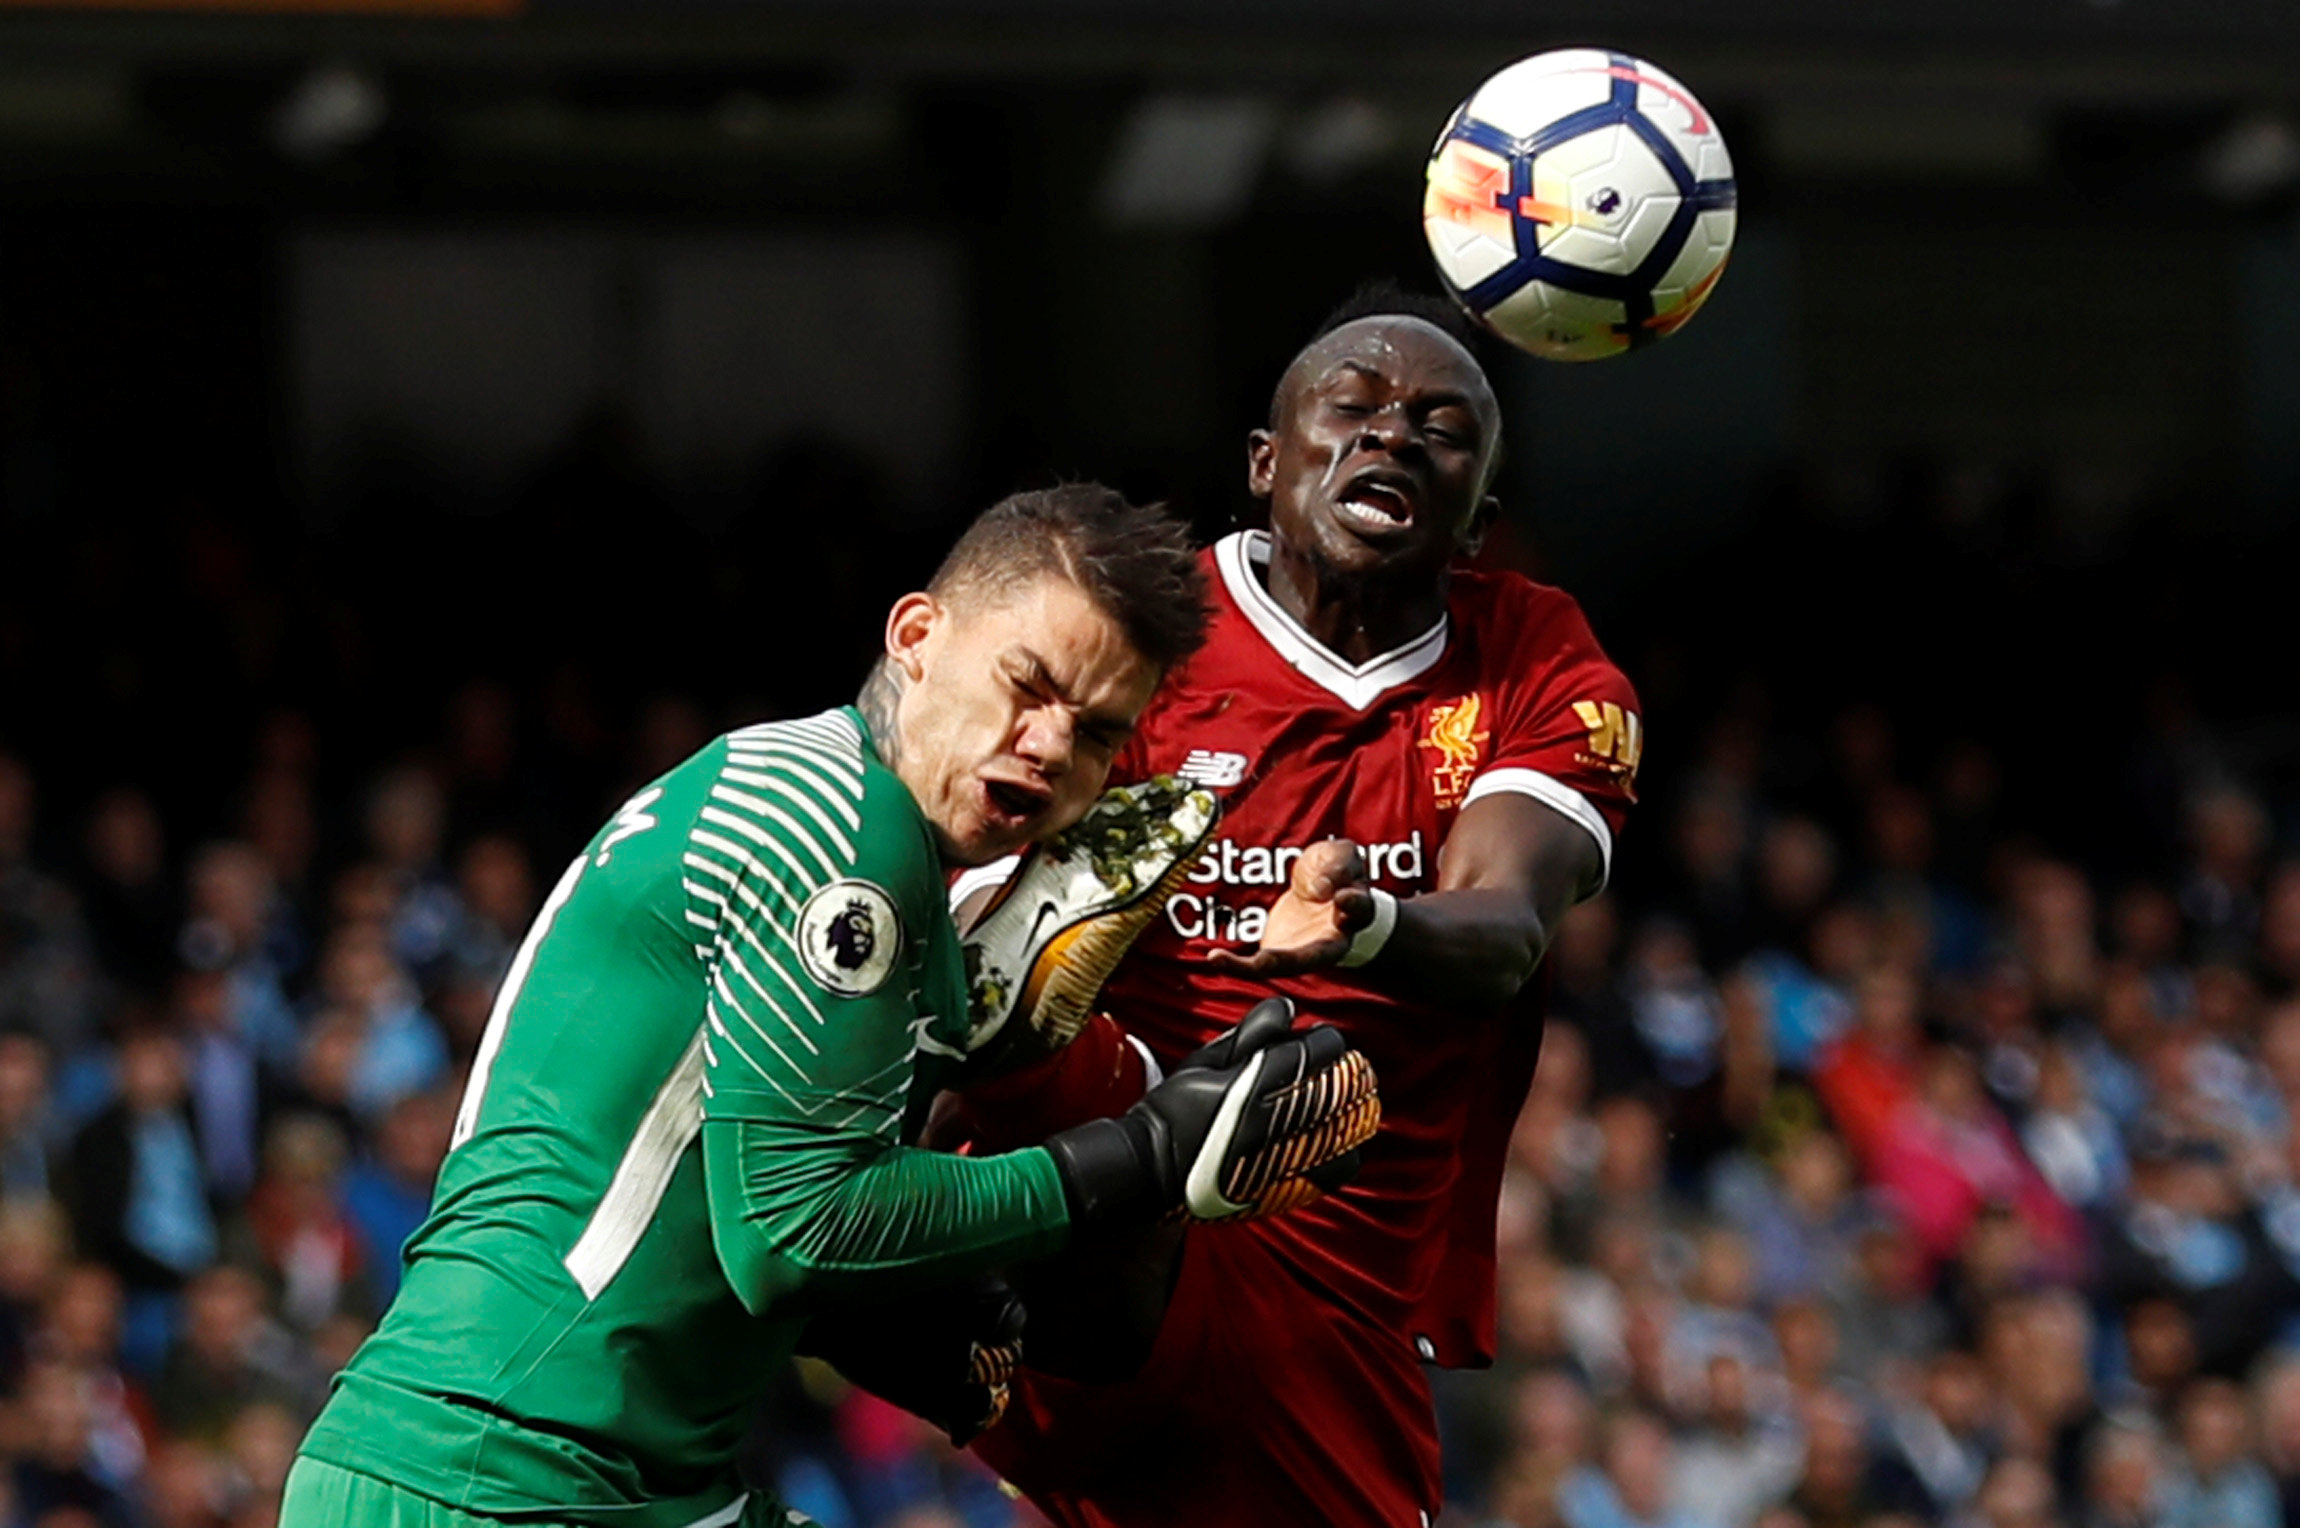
(1510, 869)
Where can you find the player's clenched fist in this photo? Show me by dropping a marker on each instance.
(1262, 1120)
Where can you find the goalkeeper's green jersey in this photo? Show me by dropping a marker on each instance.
(684, 1127)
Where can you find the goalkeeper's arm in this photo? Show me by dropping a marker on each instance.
(799, 1207)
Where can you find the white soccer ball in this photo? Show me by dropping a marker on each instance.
(1580, 204)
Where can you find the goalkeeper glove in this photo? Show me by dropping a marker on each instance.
(1262, 1120)
(946, 1355)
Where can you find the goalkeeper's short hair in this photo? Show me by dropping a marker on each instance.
(1133, 560)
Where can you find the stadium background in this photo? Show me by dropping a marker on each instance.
(416, 427)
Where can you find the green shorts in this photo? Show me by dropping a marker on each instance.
(323, 1495)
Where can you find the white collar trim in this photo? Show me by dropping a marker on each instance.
(1358, 685)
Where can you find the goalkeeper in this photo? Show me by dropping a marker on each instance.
(686, 1139)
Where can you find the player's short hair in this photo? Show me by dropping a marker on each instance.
(1134, 561)
(1388, 298)
(1385, 297)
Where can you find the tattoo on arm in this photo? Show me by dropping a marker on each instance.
(880, 699)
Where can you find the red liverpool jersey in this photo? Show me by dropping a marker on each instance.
(1508, 692)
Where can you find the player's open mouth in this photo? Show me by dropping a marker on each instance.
(1377, 502)
(1011, 805)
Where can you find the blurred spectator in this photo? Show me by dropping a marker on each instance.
(229, 1083)
(1886, 1315)
(279, 822)
(1631, 1488)
(258, 1450)
(139, 1187)
(2071, 1140)
(228, 1355)
(397, 1047)
(387, 1194)
(1673, 1006)
(2280, 930)
(33, 1239)
(2159, 1354)
(2039, 1349)
(2124, 1475)
(406, 831)
(1834, 1487)
(82, 1330)
(1800, 1215)
(1585, 995)
(2053, 919)
(1718, 1316)
(2018, 1493)
(1945, 1153)
(182, 1488)
(1556, 1426)
(1797, 869)
(496, 890)
(1805, 1335)
(48, 977)
(1618, 1259)
(27, 1120)
(126, 892)
(1869, 1072)
(58, 1470)
(2126, 1024)
(234, 911)
(1731, 1461)
(303, 1232)
(2277, 1397)
(2215, 1483)
(2227, 840)
(1940, 1440)
(2188, 1235)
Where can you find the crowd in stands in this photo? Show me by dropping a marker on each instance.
(1891, 1160)
(1888, 1169)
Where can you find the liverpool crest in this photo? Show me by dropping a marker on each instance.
(1455, 738)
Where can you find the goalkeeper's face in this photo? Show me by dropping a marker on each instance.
(1016, 702)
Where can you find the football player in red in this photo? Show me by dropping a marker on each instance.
(1422, 767)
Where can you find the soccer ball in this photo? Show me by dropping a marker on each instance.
(1580, 204)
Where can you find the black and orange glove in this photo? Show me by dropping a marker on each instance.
(1264, 1119)
(946, 1355)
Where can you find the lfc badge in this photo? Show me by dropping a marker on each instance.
(1454, 736)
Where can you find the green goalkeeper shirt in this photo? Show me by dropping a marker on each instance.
(685, 1126)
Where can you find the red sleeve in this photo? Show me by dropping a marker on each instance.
(1567, 730)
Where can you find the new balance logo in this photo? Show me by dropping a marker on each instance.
(1213, 770)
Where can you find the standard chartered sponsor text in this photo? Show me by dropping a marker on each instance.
(1196, 914)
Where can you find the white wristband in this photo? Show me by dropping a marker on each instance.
(1370, 939)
